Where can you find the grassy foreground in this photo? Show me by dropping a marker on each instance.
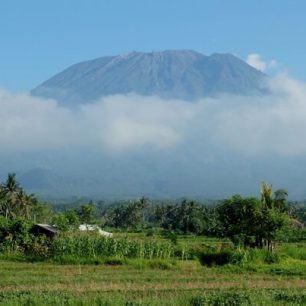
(152, 282)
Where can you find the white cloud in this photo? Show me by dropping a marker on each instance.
(115, 122)
(270, 124)
(256, 61)
(131, 122)
(31, 123)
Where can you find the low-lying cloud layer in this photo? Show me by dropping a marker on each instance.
(274, 123)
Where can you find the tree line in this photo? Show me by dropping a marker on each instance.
(246, 221)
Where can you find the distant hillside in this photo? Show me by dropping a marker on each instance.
(181, 74)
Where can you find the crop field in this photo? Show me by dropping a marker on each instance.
(156, 281)
(139, 283)
(242, 251)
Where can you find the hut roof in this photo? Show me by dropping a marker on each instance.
(48, 227)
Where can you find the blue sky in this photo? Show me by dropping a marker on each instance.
(40, 38)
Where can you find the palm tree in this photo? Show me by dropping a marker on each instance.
(8, 194)
(25, 203)
(267, 195)
(14, 201)
(280, 199)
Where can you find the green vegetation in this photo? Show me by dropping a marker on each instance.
(89, 246)
(242, 251)
(252, 222)
(155, 282)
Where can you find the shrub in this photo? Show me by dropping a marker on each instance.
(222, 298)
(172, 236)
(199, 300)
(14, 234)
(238, 256)
(221, 258)
(132, 303)
(37, 247)
(263, 256)
(113, 262)
(296, 251)
(296, 298)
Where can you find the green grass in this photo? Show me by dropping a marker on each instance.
(293, 250)
(110, 278)
(212, 297)
(146, 282)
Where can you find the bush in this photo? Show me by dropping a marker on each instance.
(288, 271)
(221, 258)
(218, 259)
(132, 303)
(14, 234)
(270, 258)
(113, 262)
(37, 247)
(172, 236)
(231, 299)
(296, 251)
(298, 299)
(198, 301)
(261, 256)
(222, 298)
(238, 256)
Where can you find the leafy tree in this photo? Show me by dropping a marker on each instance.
(187, 217)
(61, 222)
(14, 233)
(72, 218)
(252, 222)
(42, 213)
(87, 213)
(241, 220)
(67, 221)
(130, 215)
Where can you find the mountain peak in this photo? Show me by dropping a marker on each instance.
(178, 74)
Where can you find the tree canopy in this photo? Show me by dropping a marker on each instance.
(249, 221)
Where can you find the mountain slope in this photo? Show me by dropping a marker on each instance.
(180, 74)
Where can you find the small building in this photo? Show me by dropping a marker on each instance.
(45, 229)
(92, 227)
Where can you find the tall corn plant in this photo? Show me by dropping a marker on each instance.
(86, 245)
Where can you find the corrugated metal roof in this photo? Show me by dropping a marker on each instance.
(48, 227)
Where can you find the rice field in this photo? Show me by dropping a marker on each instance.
(130, 281)
(143, 283)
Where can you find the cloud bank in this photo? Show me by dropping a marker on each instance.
(271, 124)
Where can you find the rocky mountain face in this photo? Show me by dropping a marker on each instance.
(185, 75)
